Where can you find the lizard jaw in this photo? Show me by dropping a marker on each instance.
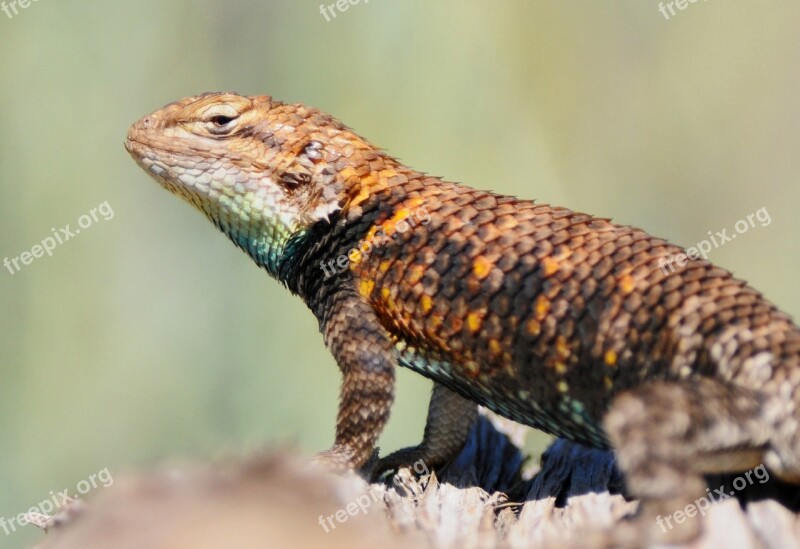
(250, 210)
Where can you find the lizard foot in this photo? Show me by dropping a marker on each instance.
(419, 458)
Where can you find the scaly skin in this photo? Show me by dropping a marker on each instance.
(556, 319)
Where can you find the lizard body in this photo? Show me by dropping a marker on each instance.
(553, 318)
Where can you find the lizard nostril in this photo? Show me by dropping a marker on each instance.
(147, 122)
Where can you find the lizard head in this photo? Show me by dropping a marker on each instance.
(262, 171)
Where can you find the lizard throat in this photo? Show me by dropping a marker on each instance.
(265, 243)
(243, 219)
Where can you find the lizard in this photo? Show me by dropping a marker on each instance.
(553, 318)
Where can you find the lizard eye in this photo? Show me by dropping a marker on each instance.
(221, 121)
(221, 124)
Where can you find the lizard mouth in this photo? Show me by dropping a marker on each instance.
(139, 147)
(129, 145)
(134, 147)
(140, 150)
(138, 142)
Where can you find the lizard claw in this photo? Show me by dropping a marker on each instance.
(417, 458)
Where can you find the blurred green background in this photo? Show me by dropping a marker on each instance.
(149, 337)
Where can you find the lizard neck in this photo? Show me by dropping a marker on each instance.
(265, 240)
(266, 250)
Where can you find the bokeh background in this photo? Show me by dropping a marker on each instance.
(149, 338)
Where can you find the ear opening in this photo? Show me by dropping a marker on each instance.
(301, 171)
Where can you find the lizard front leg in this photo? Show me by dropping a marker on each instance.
(366, 358)
(450, 418)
